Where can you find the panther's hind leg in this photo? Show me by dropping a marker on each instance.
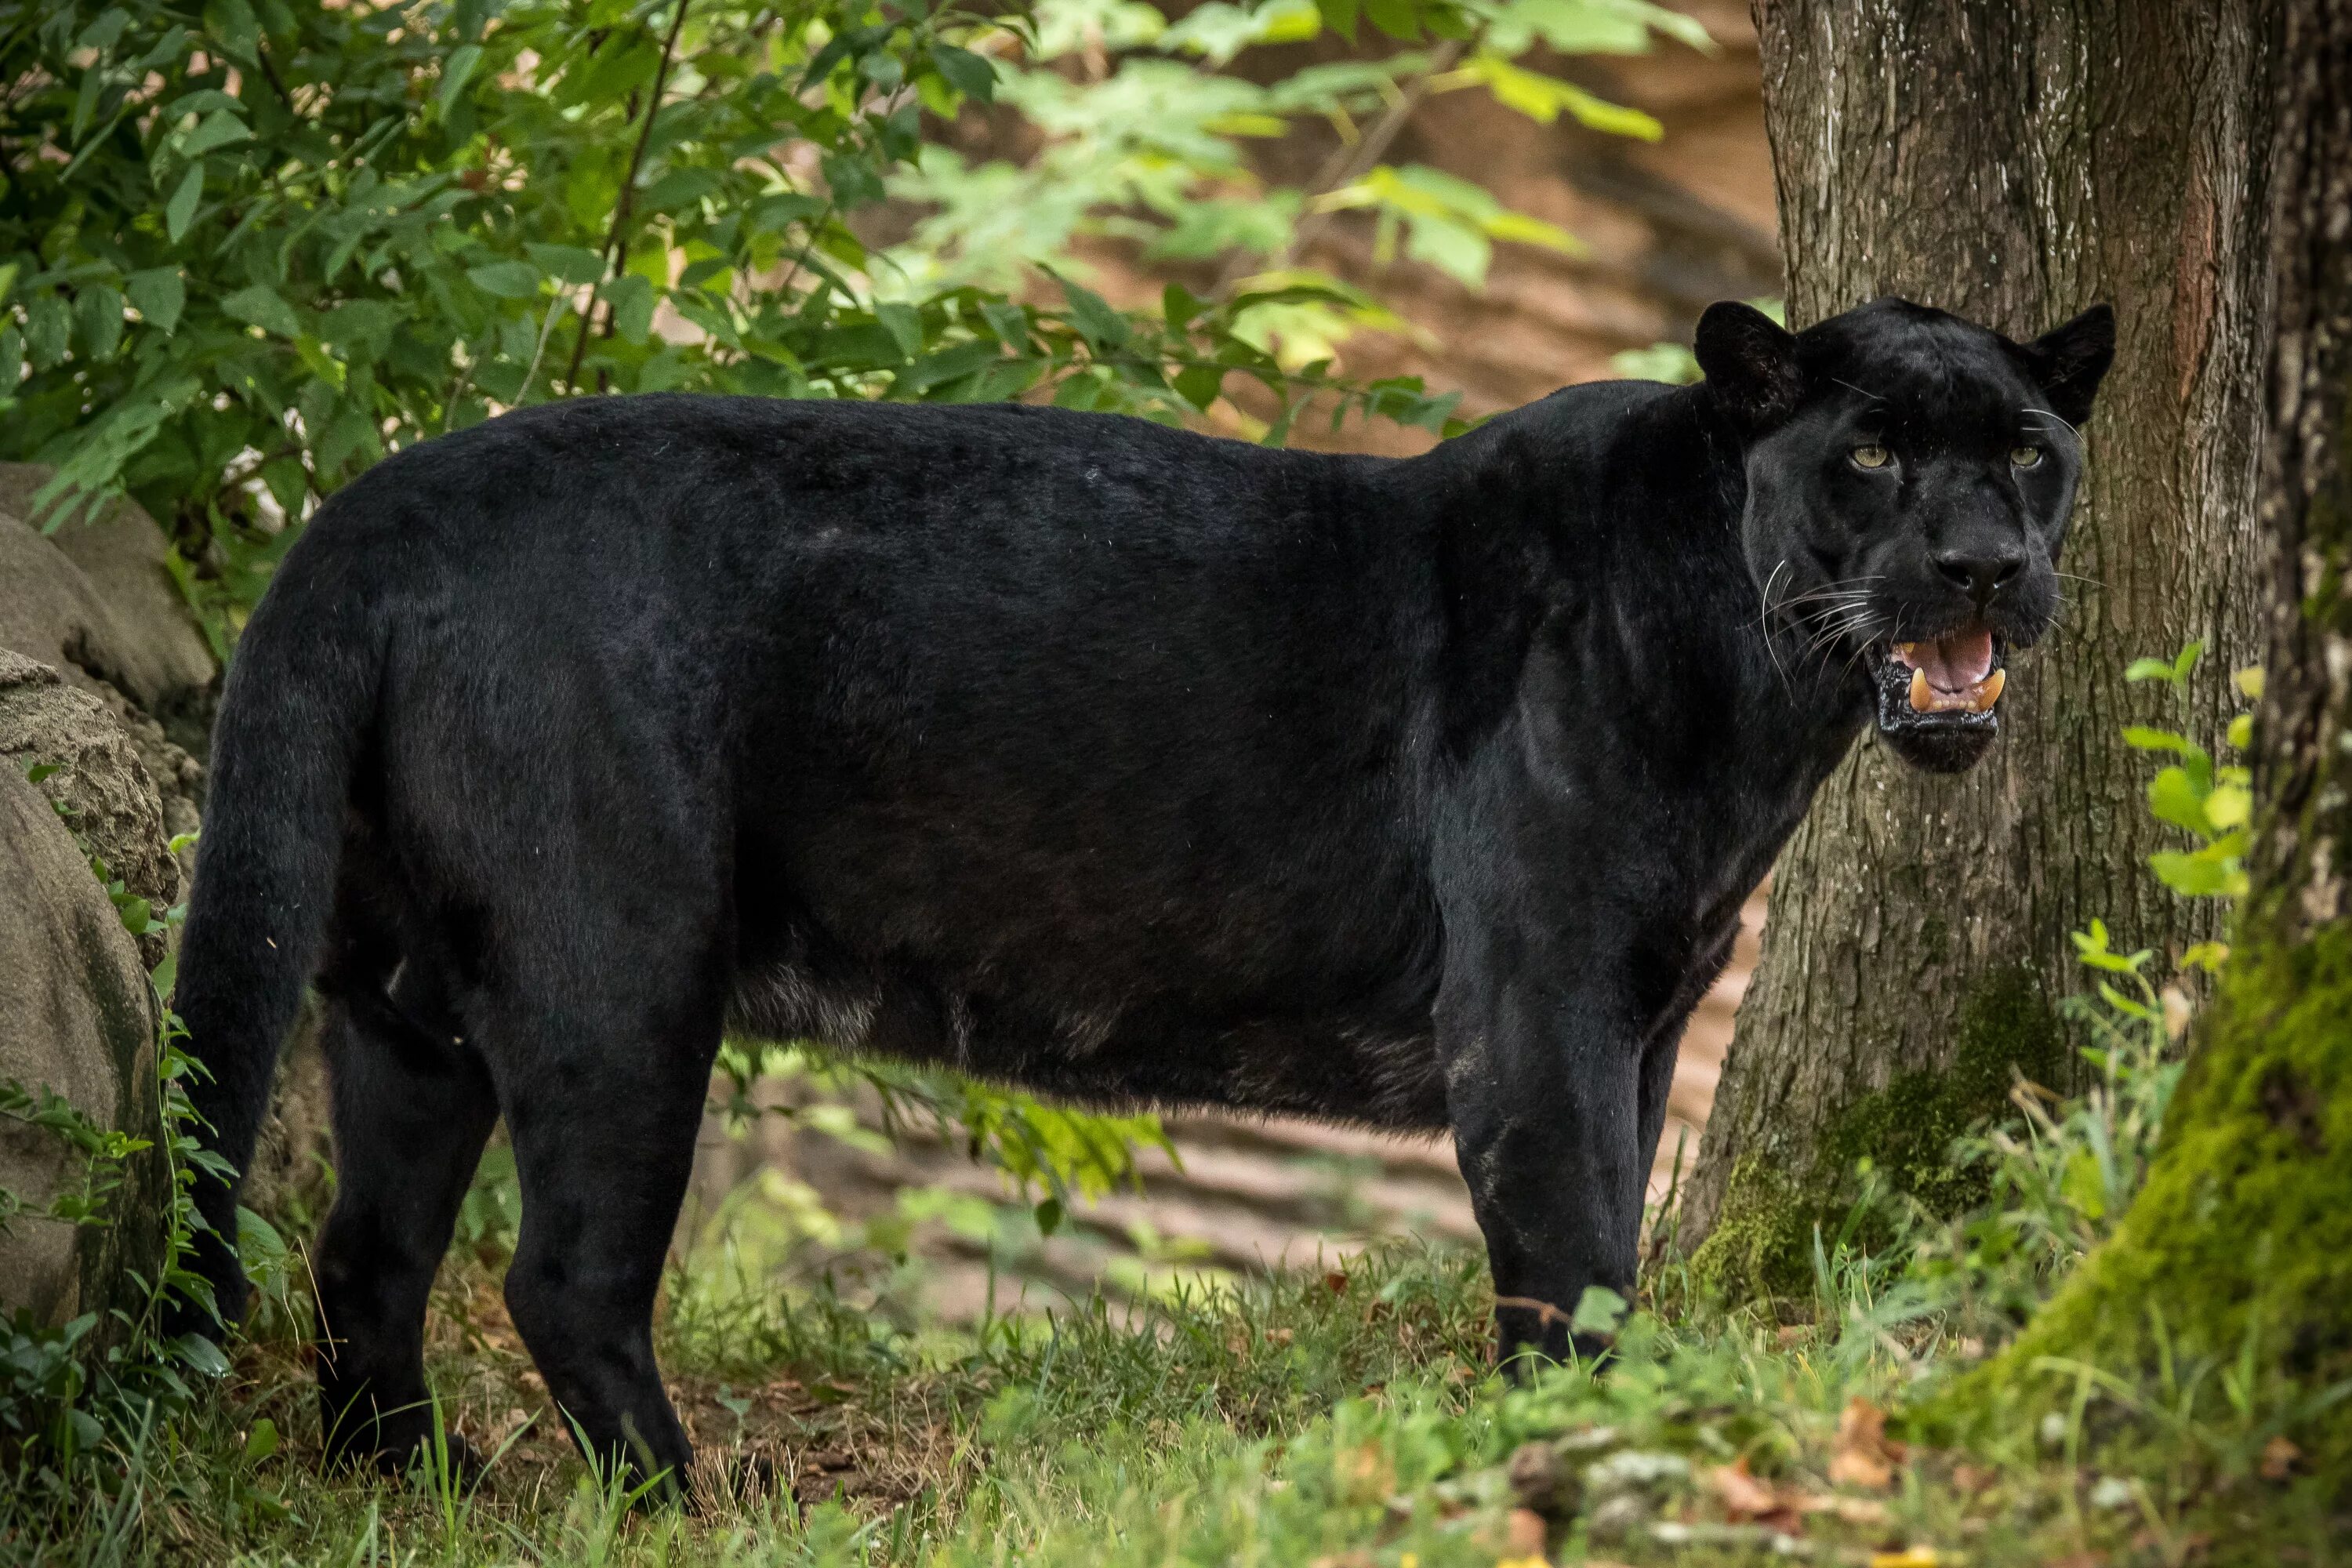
(603, 1073)
(411, 1106)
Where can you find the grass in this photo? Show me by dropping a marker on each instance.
(1344, 1418)
(1334, 1417)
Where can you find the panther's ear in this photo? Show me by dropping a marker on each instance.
(1750, 362)
(2069, 361)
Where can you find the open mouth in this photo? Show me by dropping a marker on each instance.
(1954, 679)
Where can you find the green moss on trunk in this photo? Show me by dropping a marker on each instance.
(2237, 1258)
(1762, 1244)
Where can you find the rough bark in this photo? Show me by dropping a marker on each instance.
(2242, 1235)
(2014, 164)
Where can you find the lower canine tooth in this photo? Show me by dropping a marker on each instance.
(1922, 699)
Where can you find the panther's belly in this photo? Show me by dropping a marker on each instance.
(1375, 1065)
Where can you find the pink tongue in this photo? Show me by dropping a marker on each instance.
(1957, 662)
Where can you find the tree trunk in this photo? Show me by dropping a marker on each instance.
(2012, 164)
(2243, 1233)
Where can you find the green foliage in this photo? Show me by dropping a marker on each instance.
(2213, 803)
(249, 248)
(1144, 131)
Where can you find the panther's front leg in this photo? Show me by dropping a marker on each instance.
(1543, 1058)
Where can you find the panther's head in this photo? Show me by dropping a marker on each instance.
(1909, 480)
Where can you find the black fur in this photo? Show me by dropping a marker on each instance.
(1106, 759)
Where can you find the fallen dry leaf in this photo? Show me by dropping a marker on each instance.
(2279, 1456)
(1747, 1499)
(1862, 1457)
(1911, 1557)
(1744, 1496)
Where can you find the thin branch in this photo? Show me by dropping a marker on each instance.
(618, 234)
(1348, 164)
(261, 55)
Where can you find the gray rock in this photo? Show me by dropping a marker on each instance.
(1636, 1471)
(100, 783)
(95, 601)
(76, 1016)
(1616, 1519)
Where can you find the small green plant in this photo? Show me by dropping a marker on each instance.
(2213, 801)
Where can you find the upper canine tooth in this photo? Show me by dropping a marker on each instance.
(1988, 691)
(1922, 699)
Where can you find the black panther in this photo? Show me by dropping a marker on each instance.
(1114, 761)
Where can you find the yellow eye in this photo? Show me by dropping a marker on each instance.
(2025, 457)
(1871, 457)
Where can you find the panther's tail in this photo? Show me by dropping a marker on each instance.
(299, 702)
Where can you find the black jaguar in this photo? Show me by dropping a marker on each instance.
(1075, 752)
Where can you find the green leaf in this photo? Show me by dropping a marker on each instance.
(48, 330)
(1339, 16)
(631, 299)
(572, 263)
(201, 1356)
(1009, 321)
(219, 129)
(1104, 329)
(2197, 875)
(970, 74)
(1395, 17)
(1048, 1214)
(2173, 798)
(2141, 738)
(261, 1442)
(98, 319)
(904, 325)
(1599, 1310)
(2148, 669)
(1201, 385)
(235, 23)
(160, 293)
(7, 279)
(265, 308)
(288, 482)
(505, 279)
(456, 72)
(181, 210)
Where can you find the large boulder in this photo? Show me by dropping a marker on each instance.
(96, 602)
(76, 1020)
(99, 784)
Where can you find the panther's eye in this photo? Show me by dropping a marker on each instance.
(1871, 457)
(2025, 457)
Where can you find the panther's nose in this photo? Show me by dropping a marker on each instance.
(1982, 571)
